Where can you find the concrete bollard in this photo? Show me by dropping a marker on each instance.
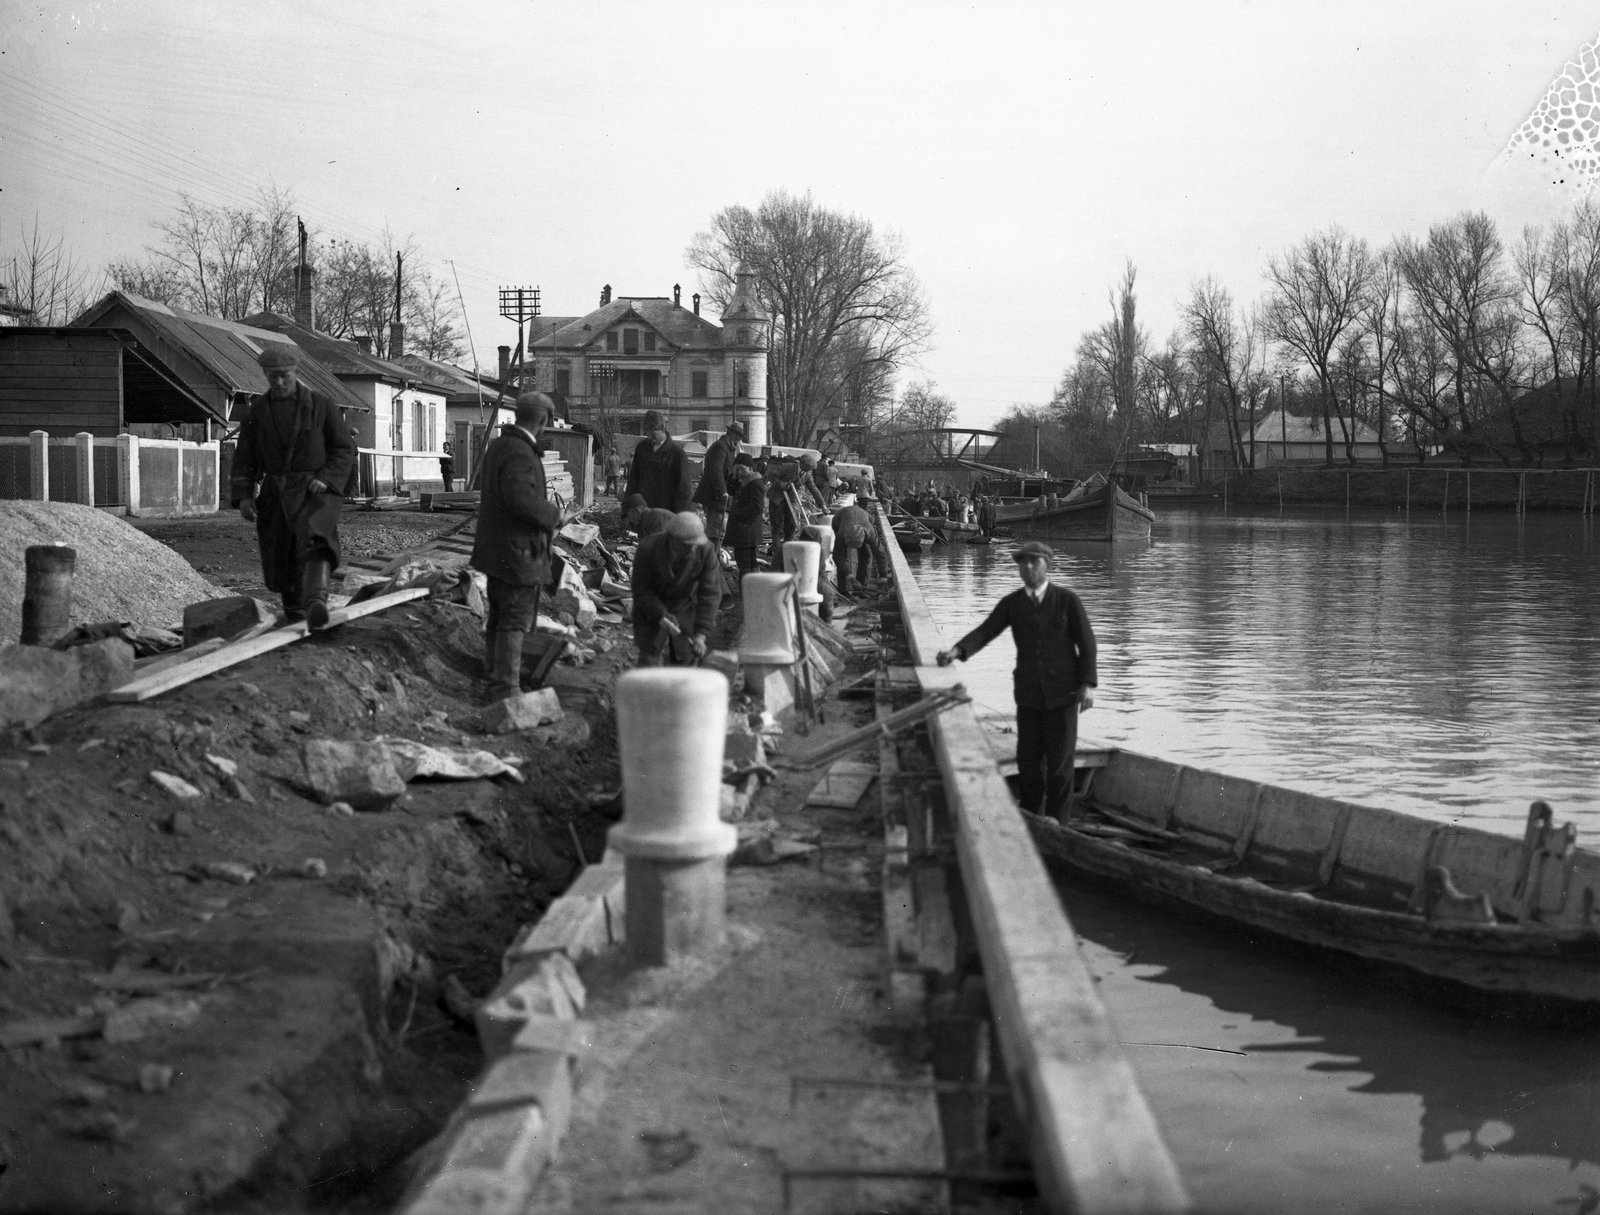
(670, 725)
(768, 621)
(47, 592)
(803, 559)
(823, 535)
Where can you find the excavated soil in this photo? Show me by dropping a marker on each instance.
(300, 1013)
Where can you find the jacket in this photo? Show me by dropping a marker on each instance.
(747, 516)
(515, 518)
(692, 585)
(712, 492)
(1055, 646)
(661, 477)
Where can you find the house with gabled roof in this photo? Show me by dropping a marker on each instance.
(634, 353)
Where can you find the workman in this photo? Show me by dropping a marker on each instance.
(639, 516)
(290, 470)
(783, 486)
(613, 468)
(677, 589)
(747, 517)
(1054, 678)
(856, 543)
(516, 521)
(716, 481)
(660, 468)
(447, 468)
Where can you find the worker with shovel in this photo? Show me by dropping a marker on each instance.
(677, 589)
(289, 473)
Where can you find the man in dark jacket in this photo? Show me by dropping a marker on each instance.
(512, 546)
(677, 589)
(716, 481)
(646, 520)
(856, 543)
(294, 443)
(660, 469)
(1054, 677)
(747, 516)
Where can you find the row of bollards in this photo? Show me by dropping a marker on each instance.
(47, 592)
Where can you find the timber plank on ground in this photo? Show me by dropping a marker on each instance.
(1095, 1144)
(146, 687)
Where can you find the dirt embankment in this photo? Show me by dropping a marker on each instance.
(298, 1013)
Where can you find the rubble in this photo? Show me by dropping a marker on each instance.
(359, 774)
(141, 1018)
(36, 682)
(223, 619)
(526, 711)
(176, 786)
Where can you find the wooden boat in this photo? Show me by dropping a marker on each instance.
(911, 538)
(1504, 919)
(1101, 512)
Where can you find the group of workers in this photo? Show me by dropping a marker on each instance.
(295, 455)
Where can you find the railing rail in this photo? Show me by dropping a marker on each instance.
(1096, 1146)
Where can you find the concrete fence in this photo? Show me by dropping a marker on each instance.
(156, 478)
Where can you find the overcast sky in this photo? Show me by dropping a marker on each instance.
(1021, 151)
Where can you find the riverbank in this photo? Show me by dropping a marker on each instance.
(1420, 488)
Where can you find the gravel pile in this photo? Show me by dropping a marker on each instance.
(122, 574)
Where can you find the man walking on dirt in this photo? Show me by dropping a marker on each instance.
(289, 473)
(516, 521)
(1054, 678)
(660, 469)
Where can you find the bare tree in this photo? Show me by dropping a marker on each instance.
(1222, 343)
(1118, 347)
(840, 295)
(1316, 293)
(41, 275)
(433, 320)
(1559, 278)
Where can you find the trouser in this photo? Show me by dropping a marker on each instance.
(1046, 740)
(716, 524)
(745, 559)
(512, 611)
(448, 476)
(611, 483)
(657, 647)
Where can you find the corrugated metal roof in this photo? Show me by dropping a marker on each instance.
(458, 382)
(338, 356)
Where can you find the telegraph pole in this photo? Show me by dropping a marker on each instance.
(520, 304)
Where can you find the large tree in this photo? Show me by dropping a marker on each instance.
(846, 309)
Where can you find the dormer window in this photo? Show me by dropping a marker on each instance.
(611, 341)
(649, 341)
(744, 336)
(630, 341)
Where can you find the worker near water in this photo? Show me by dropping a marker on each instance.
(516, 521)
(716, 479)
(290, 470)
(1054, 678)
(660, 469)
(856, 543)
(747, 518)
(639, 516)
(677, 589)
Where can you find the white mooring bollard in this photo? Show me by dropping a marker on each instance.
(803, 559)
(671, 726)
(768, 621)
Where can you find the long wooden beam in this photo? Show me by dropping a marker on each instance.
(156, 683)
(1096, 1147)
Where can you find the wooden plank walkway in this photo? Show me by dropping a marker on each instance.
(1095, 1144)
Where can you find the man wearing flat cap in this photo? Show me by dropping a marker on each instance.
(1054, 677)
(516, 521)
(660, 469)
(293, 459)
(716, 479)
(677, 589)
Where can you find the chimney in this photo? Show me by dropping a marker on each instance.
(697, 303)
(605, 295)
(364, 344)
(677, 294)
(304, 279)
(505, 363)
(397, 339)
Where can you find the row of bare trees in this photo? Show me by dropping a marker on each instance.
(1452, 343)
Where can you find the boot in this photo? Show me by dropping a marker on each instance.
(505, 666)
(293, 612)
(314, 592)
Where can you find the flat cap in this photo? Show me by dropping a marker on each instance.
(534, 404)
(653, 420)
(1033, 548)
(634, 502)
(279, 356)
(808, 459)
(687, 526)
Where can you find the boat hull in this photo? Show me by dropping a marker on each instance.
(1104, 513)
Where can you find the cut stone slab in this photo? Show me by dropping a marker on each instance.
(362, 774)
(36, 682)
(527, 711)
(221, 618)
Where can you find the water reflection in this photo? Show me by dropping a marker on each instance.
(1442, 665)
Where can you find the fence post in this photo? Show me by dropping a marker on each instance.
(216, 476)
(39, 465)
(84, 442)
(1408, 491)
(128, 470)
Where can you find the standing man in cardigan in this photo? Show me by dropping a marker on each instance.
(516, 521)
(1053, 681)
(295, 446)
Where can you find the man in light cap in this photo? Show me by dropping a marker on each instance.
(1054, 677)
(660, 469)
(716, 481)
(677, 588)
(512, 546)
(290, 468)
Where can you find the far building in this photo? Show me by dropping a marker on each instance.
(637, 353)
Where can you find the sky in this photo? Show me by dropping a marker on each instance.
(1021, 152)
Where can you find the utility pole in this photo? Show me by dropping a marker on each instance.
(520, 304)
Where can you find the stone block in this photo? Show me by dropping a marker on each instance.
(530, 988)
(546, 1033)
(575, 925)
(36, 682)
(363, 774)
(509, 1141)
(224, 618)
(526, 711)
(771, 688)
(530, 1077)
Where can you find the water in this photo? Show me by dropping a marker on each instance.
(1444, 666)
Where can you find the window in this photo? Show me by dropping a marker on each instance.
(433, 428)
(744, 336)
(649, 340)
(419, 426)
(398, 443)
(699, 423)
(564, 382)
(611, 341)
(630, 341)
(700, 385)
(741, 383)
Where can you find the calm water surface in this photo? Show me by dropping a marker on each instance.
(1442, 666)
